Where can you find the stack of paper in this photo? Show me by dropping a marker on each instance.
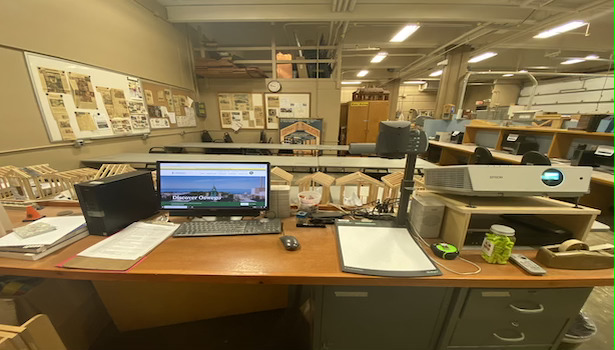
(69, 229)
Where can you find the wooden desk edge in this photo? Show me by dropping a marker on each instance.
(448, 280)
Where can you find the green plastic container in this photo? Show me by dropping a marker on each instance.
(498, 244)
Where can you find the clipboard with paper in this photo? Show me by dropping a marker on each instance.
(124, 249)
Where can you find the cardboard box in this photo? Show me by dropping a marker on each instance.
(74, 308)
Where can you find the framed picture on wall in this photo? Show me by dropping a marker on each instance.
(241, 110)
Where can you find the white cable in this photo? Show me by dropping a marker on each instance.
(478, 268)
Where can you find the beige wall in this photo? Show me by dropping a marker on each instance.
(411, 98)
(476, 93)
(325, 104)
(120, 35)
(346, 93)
(505, 93)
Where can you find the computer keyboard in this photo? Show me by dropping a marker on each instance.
(228, 228)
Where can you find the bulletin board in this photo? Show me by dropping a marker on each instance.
(286, 106)
(169, 107)
(241, 110)
(79, 101)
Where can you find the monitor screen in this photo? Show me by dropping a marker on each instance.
(197, 187)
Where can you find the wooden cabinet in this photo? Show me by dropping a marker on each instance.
(361, 122)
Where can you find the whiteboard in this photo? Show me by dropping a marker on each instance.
(286, 106)
(79, 101)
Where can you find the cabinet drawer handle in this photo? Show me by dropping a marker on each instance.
(510, 340)
(528, 311)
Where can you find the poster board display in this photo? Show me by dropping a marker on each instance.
(79, 101)
(240, 110)
(301, 131)
(291, 105)
(169, 107)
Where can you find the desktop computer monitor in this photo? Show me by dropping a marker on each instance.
(209, 188)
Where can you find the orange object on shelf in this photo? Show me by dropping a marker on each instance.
(32, 214)
(284, 70)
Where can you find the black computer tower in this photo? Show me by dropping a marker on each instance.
(114, 202)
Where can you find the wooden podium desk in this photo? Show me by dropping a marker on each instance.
(340, 302)
(262, 260)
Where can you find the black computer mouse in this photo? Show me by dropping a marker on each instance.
(290, 242)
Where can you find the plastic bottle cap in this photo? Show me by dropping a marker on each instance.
(502, 230)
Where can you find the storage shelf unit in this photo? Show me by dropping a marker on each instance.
(458, 213)
(560, 143)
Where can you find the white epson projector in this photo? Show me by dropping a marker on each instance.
(509, 180)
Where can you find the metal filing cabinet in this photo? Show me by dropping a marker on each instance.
(378, 318)
(506, 319)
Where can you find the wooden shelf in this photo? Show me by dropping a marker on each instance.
(560, 143)
(458, 213)
(542, 130)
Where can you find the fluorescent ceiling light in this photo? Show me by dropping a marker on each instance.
(362, 73)
(414, 82)
(482, 57)
(523, 71)
(559, 30)
(540, 67)
(436, 73)
(404, 33)
(592, 57)
(379, 57)
(573, 61)
(508, 75)
(353, 82)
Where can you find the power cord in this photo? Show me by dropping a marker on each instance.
(477, 271)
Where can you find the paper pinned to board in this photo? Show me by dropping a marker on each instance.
(132, 243)
(236, 125)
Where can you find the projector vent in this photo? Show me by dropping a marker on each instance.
(448, 178)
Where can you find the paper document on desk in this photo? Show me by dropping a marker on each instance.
(370, 249)
(63, 224)
(132, 243)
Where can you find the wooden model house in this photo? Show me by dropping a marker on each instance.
(308, 183)
(359, 179)
(281, 177)
(107, 170)
(392, 183)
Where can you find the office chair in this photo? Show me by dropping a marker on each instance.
(481, 155)
(535, 158)
(263, 137)
(227, 138)
(157, 150)
(205, 137)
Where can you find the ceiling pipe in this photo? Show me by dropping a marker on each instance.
(389, 55)
(333, 5)
(340, 3)
(435, 54)
(579, 14)
(535, 28)
(346, 4)
(352, 5)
